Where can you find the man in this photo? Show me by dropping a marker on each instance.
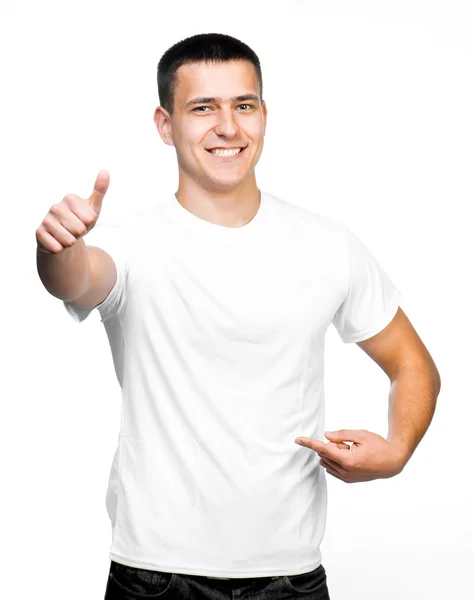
(216, 301)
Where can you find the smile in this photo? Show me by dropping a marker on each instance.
(226, 154)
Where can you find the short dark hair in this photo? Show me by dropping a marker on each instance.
(206, 47)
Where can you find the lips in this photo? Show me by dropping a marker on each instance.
(225, 148)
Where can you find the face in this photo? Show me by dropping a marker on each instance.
(221, 123)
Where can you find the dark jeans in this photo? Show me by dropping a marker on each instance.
(131, 583)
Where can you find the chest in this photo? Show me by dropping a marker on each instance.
(258, 292)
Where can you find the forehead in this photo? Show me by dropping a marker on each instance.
(225, 79)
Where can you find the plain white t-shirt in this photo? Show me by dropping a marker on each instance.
(217, 336)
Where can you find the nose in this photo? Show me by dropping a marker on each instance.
(227, 124)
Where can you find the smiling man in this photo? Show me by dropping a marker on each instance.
(217, 125)
(216, 301)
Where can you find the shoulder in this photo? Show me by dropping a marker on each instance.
(304, 220)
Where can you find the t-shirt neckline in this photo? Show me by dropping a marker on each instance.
(181, 214)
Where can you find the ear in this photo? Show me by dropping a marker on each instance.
(162, 121)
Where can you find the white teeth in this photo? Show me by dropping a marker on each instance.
(220, 152)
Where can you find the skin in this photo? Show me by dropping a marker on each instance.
(369, 457)
(414, 387)
(222, 193)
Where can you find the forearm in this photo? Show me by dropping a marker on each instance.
(412, 401)
(66, 274)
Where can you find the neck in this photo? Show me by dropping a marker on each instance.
(235, 208)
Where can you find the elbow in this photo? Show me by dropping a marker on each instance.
(438, 382)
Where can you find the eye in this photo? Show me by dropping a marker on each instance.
(199, 107)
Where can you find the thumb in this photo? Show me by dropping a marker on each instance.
(345, 435)
(100, 189)
(334, 437)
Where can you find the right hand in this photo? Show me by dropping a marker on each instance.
(72, 218)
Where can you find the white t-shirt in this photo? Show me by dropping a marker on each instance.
(217, 336)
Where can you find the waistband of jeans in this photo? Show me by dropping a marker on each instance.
(228, 578)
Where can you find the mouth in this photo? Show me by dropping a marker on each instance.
(229, 157)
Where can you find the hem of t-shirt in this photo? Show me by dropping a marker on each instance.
(212, 572)
(388, 317)
(105, 308)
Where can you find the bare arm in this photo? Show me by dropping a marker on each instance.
(415, 381)
(68, 269)
(84, 277)
(64, 274)
(102, 277)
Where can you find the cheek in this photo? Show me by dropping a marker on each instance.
(256, 127)
(189, 137)
(190, 150)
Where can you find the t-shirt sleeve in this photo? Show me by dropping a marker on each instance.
(372, 299)
(110, 235)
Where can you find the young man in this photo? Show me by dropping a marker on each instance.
(216, 301)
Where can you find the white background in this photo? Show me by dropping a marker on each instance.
(370, 122)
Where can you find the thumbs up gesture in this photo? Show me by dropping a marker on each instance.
(72, 218)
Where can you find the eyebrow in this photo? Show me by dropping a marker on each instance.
(211, 100)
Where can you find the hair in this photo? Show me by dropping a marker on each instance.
(203, 47)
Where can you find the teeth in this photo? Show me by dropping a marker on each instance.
(221, 152)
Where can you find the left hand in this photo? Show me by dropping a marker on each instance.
(370, 456)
